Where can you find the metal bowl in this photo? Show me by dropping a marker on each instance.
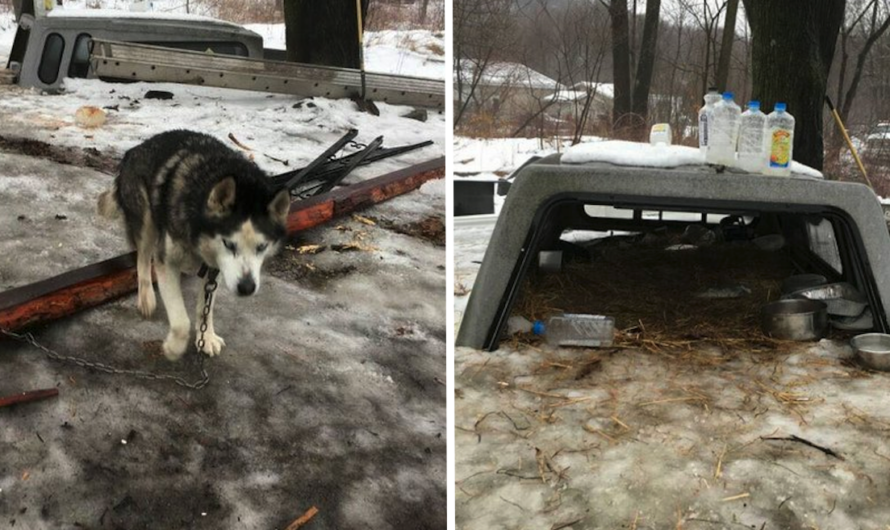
(802, 281)
(794, 319)
(873, 349)
(842, 298)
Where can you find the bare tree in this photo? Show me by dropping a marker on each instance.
(643, 79)
(631, 94)
(621, 108)
(583, 49)
(424, 6)
(482, 31)
(722, 76)
(707, 19)
(878, 16)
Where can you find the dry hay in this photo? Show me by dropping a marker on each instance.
(651, 293)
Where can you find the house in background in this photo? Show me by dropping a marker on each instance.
(504, 91)
(571, 104)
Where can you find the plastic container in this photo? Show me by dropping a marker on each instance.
(572, 329)
(723, 132)
(780, 139)
(705, 117)
(752, 134)
(660, 134)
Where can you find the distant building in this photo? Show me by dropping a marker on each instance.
(505, 90)
(570, 103)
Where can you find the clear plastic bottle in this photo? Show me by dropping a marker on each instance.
(705, 118)
(724, 132)
(780, 141)
(752, 135)
(572, 329)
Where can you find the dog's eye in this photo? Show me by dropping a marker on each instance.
(230, 245)
(262, 247)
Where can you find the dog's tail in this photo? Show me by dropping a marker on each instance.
(108, 206)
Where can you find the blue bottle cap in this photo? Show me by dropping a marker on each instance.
(780, 107)
(538, 328)
(753, 104)
(727, 95)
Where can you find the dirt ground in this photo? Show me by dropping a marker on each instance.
(330, 392)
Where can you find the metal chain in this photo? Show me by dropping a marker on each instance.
(209, 288)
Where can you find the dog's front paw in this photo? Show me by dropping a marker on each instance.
(175, 344)
(213, 343)
(146, 302)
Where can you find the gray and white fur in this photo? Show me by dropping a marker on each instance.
(186, 199)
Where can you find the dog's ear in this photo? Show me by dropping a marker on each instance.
(280, 206)
(222, 198)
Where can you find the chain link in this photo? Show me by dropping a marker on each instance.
(209, 288)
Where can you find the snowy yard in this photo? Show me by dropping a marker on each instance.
(330, 392)
(659, 437)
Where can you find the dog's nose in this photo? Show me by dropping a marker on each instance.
(246, 286)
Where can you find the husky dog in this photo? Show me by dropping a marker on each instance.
(188, 199)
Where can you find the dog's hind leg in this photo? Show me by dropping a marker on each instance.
(171, 293)
(146, 242)
(213, 343)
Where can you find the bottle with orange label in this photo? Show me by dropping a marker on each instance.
(780, 141)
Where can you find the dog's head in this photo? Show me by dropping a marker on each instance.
(243, 227)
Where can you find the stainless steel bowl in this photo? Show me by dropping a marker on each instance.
(873, 349)
(794, 319)
(842, 298)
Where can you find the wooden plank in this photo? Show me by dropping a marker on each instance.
(101, 282)
(20, 295)
(27, 397)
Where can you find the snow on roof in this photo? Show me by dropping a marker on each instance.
(622, 153)
(142, 15)
(508, 74)
(569, 96)
(602, 89)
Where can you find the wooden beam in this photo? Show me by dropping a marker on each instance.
(95, 284)
(27, 397)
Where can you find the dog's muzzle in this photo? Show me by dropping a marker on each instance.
(246, 286)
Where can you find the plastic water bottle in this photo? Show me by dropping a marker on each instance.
(780, 139)
(572, 329)
(752, 133)
(518, 324)
(706, 117)
(568, 329)
(724, 132)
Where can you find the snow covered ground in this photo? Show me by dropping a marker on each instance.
(270, 124)
(280, 126)
(629, 439)
(329, 393)
(419, 53)
(497, 157)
